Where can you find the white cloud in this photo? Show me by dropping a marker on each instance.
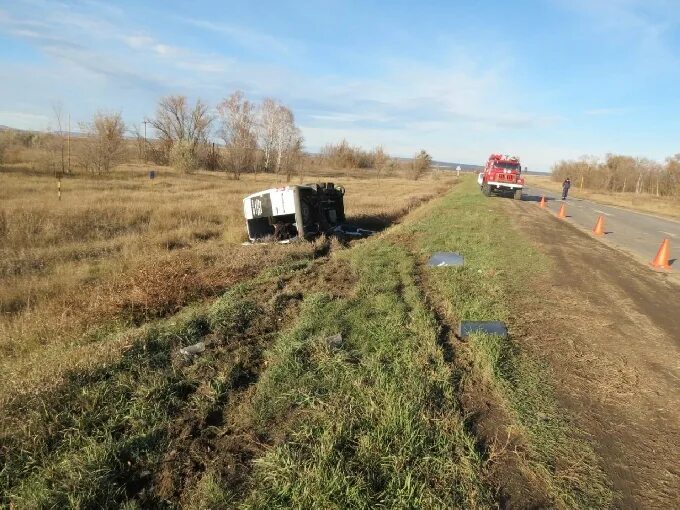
(138, 41)
(246, 37)
(455, 106)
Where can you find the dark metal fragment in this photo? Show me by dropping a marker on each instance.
(466, 328)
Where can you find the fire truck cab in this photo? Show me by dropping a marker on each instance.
(502, 175)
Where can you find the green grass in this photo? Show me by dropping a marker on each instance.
(76, 447)
(373, 421)
(370, 421)
(494, 284)
(99, 440)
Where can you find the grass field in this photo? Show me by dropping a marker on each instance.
(281, 412)
(122, 250)
(644, 202)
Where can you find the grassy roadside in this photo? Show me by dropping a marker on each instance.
(280, 413)
(121, 250)
(374, 420)
(494, 284)
(371, 420)
(135, 431)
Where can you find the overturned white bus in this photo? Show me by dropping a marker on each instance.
(283, 214)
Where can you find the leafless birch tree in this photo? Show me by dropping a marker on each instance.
(237, 115)
(279, 138)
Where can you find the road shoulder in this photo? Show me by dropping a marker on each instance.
(609, 329)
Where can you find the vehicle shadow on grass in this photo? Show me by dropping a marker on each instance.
(378, 221)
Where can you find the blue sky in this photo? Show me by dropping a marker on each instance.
(546, 79)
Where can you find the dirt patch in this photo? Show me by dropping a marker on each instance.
(486, 419)
(505, 449)
(610, 330)
(223, 438)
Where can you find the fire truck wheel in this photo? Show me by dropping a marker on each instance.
(518, 194)
(486, 189)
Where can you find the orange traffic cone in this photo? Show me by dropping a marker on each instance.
(563, 213)
(542, 204)
(662, 256)
(599, 226)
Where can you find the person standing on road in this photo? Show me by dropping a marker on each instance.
(565, 188)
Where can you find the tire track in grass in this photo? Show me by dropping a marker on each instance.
(552, 456)
(371, 421)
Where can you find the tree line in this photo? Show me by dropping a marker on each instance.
(619, 173)
(236, 136)
(255, 137)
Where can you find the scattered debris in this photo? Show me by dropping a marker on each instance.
(345, 230)
(465, 328)
(446, 259)
(193, 350)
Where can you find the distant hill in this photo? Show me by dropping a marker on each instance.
(445, 165)
(74, 134)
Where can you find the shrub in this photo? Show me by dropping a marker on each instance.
(422, 162)
(105, 145)
(343, 155)
(183, 157)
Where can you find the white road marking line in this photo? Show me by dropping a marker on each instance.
(667, 233)
(602, 212)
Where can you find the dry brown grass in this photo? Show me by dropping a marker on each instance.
(121, 249)
(644, 202)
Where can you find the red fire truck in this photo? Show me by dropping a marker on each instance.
(502, 175)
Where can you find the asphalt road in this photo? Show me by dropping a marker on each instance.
(635, 232)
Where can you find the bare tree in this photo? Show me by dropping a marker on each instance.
(238, 132)
(176, 121)
(105, 145)
(673, 172)
(380, 160)
(279, 138)
(140, 142)
(266, 131)
(288, 138)
(57, 147)
(422, 162)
